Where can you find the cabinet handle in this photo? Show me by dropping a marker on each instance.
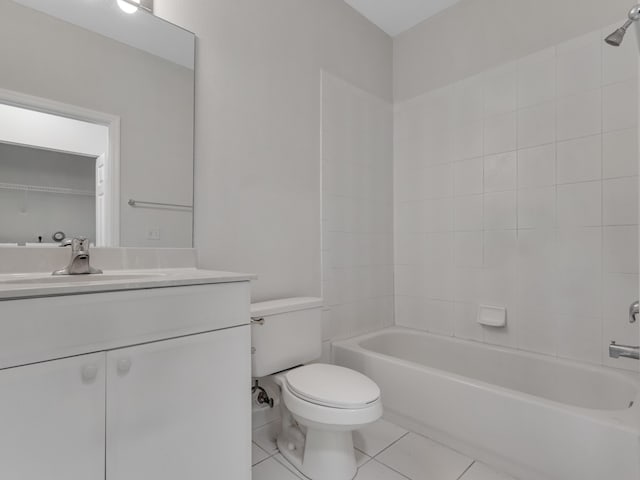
(123, 366)
(89, 373)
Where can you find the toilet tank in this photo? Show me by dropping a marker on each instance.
(284, 334)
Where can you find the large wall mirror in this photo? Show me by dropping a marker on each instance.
(96, 124)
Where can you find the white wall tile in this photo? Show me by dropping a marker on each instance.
(468, 213)
(537, 125)
(439, 317)
(620, 64)
(500, 133)
(579, 249)
(536, 249)
(543, 152)
(438, 215)
(466, 284)
(537, 166)
(579, 64)
(468, 249)
(468, 175)
(620, 105)
(580, 204)
(620, 201)
(537, 78)
(465, 321)
(537, 331)
(621, 249)
(501, 92)
(620, 153)
(500, 249)
(578, 293)
(500, 172)
(537, 207)
(468, 140)
(578, 337)
(580, 115)
(580, 160)
(500, 210)
(437, 181)
(499, 287)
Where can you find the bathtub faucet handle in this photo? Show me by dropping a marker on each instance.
(634, 310)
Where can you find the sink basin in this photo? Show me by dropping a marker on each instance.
(79, 278)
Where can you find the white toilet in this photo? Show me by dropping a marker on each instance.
(321, 404)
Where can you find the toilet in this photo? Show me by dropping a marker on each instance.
(321, 405)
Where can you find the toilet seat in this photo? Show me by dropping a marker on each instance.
(332, 386)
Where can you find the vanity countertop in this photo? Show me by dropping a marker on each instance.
(29, 285)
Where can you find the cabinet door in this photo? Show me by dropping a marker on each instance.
(180, 409)
(52, 420)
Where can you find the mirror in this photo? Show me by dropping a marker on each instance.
(96, 124)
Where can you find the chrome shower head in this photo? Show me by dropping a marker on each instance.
(616, 38)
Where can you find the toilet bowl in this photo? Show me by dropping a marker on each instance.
(321, 406)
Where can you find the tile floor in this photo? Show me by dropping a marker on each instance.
(384, 452)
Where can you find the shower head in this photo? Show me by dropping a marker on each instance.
(616, 38)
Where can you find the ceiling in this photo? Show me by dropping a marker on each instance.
(396, 16)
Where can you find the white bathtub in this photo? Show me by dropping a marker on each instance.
(534, 416)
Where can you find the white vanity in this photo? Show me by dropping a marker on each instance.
(139, 374)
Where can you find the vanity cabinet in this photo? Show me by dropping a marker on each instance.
(174, 408)
(153, 385)
(52, 420)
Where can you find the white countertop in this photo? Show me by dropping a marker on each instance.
(18, 285)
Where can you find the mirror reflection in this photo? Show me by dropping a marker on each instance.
(96, 124)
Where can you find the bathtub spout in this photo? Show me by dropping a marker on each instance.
(617, 351)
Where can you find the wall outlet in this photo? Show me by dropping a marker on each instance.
(153, 233)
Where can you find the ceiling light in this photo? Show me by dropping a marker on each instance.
(128, 6)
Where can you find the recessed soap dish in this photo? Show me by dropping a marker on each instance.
(492, 316)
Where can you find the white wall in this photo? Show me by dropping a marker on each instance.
(257, 171)
(475, 35)
(357, 192)
(518, 186)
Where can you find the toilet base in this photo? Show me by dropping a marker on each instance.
(324, 455)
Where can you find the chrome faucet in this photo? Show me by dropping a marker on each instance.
(627, 351)
(79, 263)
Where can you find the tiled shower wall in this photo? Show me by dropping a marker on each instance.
(518, 187)
(357, 209)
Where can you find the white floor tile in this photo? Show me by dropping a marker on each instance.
(361, 459)
(420, 458)
(257, 454)
(265, 437)
(377, 471)
(271, 470)
(480, 471)
(282, 461)
(374, 438)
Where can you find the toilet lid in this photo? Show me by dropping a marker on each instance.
(332, 386)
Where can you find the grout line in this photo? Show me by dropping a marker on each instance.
(389, 446)
(392, 469)
(466, 470)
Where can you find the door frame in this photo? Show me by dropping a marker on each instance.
(112, 156)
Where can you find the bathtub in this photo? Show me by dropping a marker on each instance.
(533, 416)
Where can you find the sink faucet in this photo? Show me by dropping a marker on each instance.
(79, 263)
